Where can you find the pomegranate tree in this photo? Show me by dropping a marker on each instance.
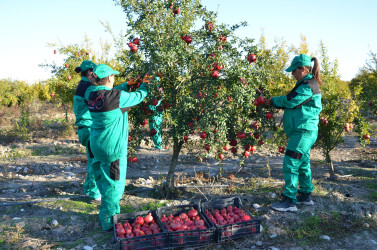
(206, 86)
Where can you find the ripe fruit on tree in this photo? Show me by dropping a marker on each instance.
(268, 115)
(136, 41)
(209, 26)
(69, 77)
(252, 58)
(221, 156)
(222, 38)
(54, 51)
(207, 147)
(134, 48)
(176, 11)
(216, 66)
(256, 124)
(366, 137)
(153, 132)
(281, 149)
(144, 122)
(187, 39)
(233, 142)
(203, 135)
(246, 154)
(261, 100)
(52, 95)
(215, 74)
(241, 135)
(233, 150)
(226, 148)
(154, 102)
(66, 65)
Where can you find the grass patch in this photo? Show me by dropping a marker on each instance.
(126, 209)
(10, 236)
(16, 153)
(334, 225)
(153, 205)
(77, 206)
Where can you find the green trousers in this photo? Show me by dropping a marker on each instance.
(111, 180)
(296, 164)
(90, 186)
(155, 122)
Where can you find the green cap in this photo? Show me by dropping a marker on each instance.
(299, 61)
(102, 71)
(85, 65)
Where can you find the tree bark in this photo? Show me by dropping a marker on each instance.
(330, 165)
(173, 164)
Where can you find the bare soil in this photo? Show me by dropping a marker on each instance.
(42, 205)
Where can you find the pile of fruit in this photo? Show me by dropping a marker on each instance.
(140, 227)
(228, 215)
(183, 222)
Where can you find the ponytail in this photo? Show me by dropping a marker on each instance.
(77, 69)
(83, 73)
(315, 71)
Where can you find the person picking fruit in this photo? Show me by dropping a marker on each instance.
(83, 122)
(108, 107)
(155, 121)
(301, 107)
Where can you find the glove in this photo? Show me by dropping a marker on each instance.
(146, 78)
(131, 82)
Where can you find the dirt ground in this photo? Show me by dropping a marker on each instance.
(42, 205)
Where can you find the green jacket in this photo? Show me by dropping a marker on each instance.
(301, 106)
(108, 108)
(80, 107)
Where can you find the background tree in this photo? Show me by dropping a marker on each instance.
(367, 81)
(340, 110)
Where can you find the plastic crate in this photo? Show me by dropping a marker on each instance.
(146, 242)
(191, 238)
(235, 230)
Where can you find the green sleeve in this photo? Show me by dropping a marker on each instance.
(129, 99)
(294, 99)
(123, 86)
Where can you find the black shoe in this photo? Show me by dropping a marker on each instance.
(285, 205)
(305, 199)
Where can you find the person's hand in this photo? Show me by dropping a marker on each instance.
(147, 78)
(131, 81)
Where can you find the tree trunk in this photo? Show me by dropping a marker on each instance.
(330, 165)
(170, 188)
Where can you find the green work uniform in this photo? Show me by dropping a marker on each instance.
(109, 141)
(83, 122)
(301, 110)
(155, 123)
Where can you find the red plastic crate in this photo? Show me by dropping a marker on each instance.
(235, 230)
(146, 242)
(191, 238)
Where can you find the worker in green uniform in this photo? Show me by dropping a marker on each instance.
(155, 122)
(300, 121)
(108, 107)
(83, 122)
